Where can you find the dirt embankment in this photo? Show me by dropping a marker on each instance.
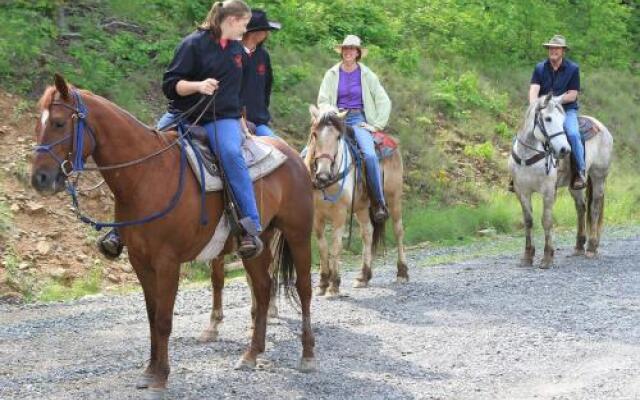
(43, 239)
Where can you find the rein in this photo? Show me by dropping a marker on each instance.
(546, 154)
(80, 113)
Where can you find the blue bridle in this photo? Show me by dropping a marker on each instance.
(80, 114)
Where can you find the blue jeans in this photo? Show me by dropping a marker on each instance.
(366, 145)
(573, 134)
(264, 130)
(229, 140)
(165, 121)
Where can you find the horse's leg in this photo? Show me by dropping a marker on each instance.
(549, 198)
(300, 247)
(273, 300)
(146, 277)
(366, 232)
(581, 208)
(217, 284)
(167, 276)
(258, 272)
(395, 209)
(338, 222)
(323, 248)
(527, 212)
(596, 214)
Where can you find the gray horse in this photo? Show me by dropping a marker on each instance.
(538, 163)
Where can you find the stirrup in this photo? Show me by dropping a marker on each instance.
(250, 247)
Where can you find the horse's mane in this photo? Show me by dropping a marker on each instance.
(327, 116)
(47, 98)
(50, 92)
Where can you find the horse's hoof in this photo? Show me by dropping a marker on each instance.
(525, 262)
(144, 381)
(320, 291)
(546, 264)
(402, 279)
(307, 364)
(591, 254)
(245, 364)
(273, 312)
(358, 284)
(154, 394)
(207, 336)
(333, 292)
(576, 253)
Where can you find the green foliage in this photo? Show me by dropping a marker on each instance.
(5, 218)
(57, 291)
(483, 150)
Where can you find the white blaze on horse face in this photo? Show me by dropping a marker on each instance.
(44, 118)
(326, 144)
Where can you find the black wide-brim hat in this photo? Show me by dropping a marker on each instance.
(259, 22)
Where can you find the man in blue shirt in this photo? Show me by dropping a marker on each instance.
(561, 76)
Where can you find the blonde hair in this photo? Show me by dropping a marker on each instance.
(219, 11)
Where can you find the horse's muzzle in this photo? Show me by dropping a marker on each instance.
(47, 181)
(323, 177)
(564, 152)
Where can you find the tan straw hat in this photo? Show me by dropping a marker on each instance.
(557, 41)
(352, 41)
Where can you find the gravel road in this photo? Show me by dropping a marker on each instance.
(479, 329)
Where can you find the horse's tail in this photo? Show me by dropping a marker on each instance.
(590, 207)
(377, 239)
(283, 268)
(589, 201)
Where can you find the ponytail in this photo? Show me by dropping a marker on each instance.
(220, 11)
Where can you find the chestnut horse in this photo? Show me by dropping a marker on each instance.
(143, 177)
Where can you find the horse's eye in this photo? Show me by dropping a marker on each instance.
(58, 124)
(548, 119)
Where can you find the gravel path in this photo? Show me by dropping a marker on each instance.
(479, 329)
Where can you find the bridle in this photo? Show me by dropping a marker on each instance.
(547, 152)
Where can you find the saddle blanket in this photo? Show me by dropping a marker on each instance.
(386, 145)
(588, 128)
(261, 159)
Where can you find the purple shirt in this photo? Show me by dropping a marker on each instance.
(350, 89)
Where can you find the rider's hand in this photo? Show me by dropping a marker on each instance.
(368, 127)
(208, 86)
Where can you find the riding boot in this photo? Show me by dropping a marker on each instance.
(250, 246)
(110, 245)
(579, 182)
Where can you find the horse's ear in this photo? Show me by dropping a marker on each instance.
(342, 115)
(313, 110)
(61, 86)
(557, 99)
(546, 100)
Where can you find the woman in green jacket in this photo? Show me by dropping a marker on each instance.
(351, 86)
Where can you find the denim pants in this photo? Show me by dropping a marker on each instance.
(366, 145)
(229, 140)
(573, 134)
(264, 130)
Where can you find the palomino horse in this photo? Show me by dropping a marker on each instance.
(341, 193)
(540, 141)
(140, 167)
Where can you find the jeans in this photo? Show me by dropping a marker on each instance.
(229, 139)
(366, 145)
(264, 130)
(165, 121)
(573, 134)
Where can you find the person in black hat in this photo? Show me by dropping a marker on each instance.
(257, 75)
